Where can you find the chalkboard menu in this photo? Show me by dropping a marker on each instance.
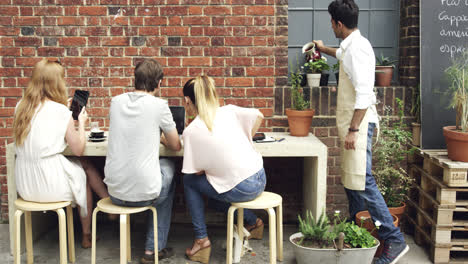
(444, 36)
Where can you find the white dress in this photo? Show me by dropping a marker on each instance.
(43, 174)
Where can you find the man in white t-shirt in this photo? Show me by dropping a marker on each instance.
(134, 174)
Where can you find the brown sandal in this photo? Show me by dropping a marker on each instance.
(256, 231)
(203, 253)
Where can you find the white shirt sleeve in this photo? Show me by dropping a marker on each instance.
(359, 65)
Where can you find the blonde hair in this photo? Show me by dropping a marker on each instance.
(47, 82)
(206, 99)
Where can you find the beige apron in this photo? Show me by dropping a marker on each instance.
(353, 162)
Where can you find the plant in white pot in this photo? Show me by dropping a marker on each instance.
(457, 136)
(314, 69)
(344, 242)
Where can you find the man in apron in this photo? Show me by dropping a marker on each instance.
(356, 118)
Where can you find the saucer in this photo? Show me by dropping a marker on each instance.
(96, 139)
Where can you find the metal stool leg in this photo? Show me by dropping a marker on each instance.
(17, 247)
(71, 235)
(28, 234)
(62, 235)
(123, 239)
(272, 231)
(230, 236)
(93, 242)
(155, 228)
(279, 232)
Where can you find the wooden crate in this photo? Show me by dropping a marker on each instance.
(444, 195)
(452, 173)
(438, 253)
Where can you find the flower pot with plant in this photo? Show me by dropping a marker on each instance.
(384, 70)
(416, 111)
(299, 115)
(344, 242)
(390, 152)
(457, 136)
(364, 219)
(314, 70)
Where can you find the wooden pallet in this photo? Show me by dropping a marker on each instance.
(438, 253)
(444, 195)
(452, 173)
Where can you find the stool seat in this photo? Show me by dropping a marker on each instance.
(107, 206)
(35, 206)
(265, 200)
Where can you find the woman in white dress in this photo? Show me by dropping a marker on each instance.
(43, 127)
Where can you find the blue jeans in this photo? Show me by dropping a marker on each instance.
(195, 186)
(163, 205)
(371, 199)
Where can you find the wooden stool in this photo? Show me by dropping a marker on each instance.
(266, 201)
(105, 205)
(27, 207)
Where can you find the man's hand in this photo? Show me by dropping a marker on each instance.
(350, 140)
(319, 44)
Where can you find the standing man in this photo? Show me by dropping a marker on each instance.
(135, 176)
(356, 119)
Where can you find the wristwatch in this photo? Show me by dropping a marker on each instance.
(353, 129)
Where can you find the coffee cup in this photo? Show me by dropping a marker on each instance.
(97, 134)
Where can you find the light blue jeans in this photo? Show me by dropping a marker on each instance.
(371, 199)
(163, 205)
(195, 186)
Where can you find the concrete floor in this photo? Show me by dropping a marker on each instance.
(46, 249)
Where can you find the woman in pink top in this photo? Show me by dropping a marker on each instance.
(220, 160)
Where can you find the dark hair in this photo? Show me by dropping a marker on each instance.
(189, 89)
(148, 73)
(345, 11)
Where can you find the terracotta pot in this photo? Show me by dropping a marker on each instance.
(398, 211)
(383, 75)
(457, 144)
(416, 134)
(299, 122)
(369, 226)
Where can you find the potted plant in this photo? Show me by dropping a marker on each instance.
(457, 136)
(384, 70)
(336, 70)
(299, 115)
(364, 219)
(393, 146)
(314, 69)
(416, 111)
(344, 242)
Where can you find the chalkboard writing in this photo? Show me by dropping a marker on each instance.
(444, 36)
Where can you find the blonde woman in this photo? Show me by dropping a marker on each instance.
(43, 127)
(220, 161)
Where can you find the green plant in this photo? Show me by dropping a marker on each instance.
(458, 89)
(336, 66)
(393, 181)
(416, 107)
(316, 66)
(320, 232)
(297, 94)
(384, 61)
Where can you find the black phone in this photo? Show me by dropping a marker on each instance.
(80, 99)
(258, 136)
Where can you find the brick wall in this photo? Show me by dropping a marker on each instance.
(242, 44)
(409, 42)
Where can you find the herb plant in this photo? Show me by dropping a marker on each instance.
(458, 89)
(297, 94)
(316, 66)
(385, 61)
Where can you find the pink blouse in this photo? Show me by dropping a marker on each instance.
(226, 154)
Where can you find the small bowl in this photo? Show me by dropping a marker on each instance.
(99, 134)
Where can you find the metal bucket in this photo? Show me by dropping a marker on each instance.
(305, 255)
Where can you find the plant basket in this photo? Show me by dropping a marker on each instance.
(299, 121)
(383, 75)
(305, 255)
(457, 144)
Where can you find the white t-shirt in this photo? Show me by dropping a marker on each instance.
(226, 154)
(132, 164)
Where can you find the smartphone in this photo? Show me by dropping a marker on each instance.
(80, 99)
(258, 136)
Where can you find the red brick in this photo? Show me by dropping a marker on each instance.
(93, 10)
(9, 11)
(260, 71)
(202, 61)
(196, 31)
(267, 112)
(238, 10)
(239, 61)
(70, 20)
(239, 102)
(6, 112)
(155, 21)
(72, 41)
(196, 41)
(70, 2)
(239, 21)
(8, 31)
(117, 61)
(76, 82)
(70, 61)
(175, 72)
(148, 11)
(173, 11)
(245, 82)
(117, 82)
(257, 51)
(175, 31)
(218, 31)
(93, 31)
(239, 41)
(51, 51)
(150, 52)
(49, 31)
(156, 41)
(195, 10)
(259, 103)
(27, 61)
(10, 91)
(5, 132)
(73, 72)
(48, 11)
(8, 62)
(6, 21)
(26, 11)
(71, 11)
(216, 10)
(261, 10)
(95, 72)
(95, 51)
(27, 41)
(260, 31)
(136, 21)
(10, 51)
(28, 51)
(218, 51)
(114, 2)
(49, 21)
(26, 21)
(11, 102)
(26, 2)
(115, 41)
(196, 20)
(148, 31)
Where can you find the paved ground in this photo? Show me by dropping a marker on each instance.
(46, 248)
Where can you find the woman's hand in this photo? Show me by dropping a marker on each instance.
(83, 117)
